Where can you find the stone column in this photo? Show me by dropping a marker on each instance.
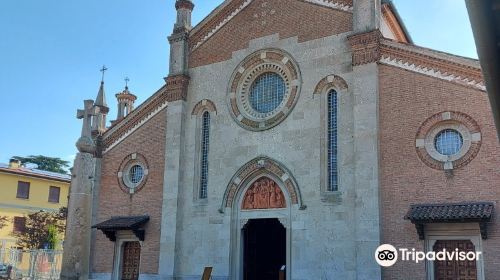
(177, 89)
(365, 54)
(77, 239)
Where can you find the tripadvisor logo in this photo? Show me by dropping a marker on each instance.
(387, 255)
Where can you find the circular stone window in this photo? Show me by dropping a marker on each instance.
(448, 140)
(264, 89)
(133, 173)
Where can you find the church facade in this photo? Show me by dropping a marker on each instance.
(295, 136)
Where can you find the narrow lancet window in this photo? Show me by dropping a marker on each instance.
(205, 141)
(332, 141)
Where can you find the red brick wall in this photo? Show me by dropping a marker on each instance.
(290, 18)
(406, 100)
(148, 140)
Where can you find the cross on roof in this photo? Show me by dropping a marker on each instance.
(126, 81)
(103, 70)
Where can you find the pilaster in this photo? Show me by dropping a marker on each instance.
(176, 115)
(365, 46)
(366, 15)
(178, 52)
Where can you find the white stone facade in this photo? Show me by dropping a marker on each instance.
(326, 229)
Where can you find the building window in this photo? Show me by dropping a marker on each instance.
(23, 190)
(264, 89)
(136, 173)
(448, 142)
(133, 173)
(54, 194)
(19, 224)
(267, 92)
(205, 142)
(332, 141)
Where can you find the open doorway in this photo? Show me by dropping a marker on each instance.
(264, 249)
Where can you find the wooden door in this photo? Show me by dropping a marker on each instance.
(453, 269)
(131, 260)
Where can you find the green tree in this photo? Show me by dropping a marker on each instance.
(40, 229)
(3, 221)
(52, 239)
(46, 163)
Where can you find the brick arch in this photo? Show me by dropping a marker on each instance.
(331, 81)
(262, 165)
(202, 106)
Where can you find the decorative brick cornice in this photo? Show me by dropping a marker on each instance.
(124, 127)
(440, 65)
(216, 21)
(184, 4)
(177, 87)
(365, 47)
(343, 5)
(226, 12)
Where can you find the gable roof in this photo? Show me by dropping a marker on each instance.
(36, 173)
(230, 8)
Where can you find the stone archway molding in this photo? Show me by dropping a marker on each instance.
(328, 82)
(204, 105)
(262, 165)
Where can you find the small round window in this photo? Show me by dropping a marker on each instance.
(136, 174)
(267, 92)
(448, 142)
(133, 173)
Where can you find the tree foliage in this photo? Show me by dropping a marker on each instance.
(46, 163)
(52, 239)
(40, 229)
(3, 221)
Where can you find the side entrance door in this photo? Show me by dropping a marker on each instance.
(131, 260)
(455, 270)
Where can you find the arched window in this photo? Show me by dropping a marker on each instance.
(332, 141)
(205, 142)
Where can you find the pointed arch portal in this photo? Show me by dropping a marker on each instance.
(260, 199)
(258, 167)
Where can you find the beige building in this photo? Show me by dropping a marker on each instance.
(27, 190)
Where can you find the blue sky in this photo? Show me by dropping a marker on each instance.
(51, 52)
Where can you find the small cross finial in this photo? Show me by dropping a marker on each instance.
(126, 82)
(103, 70)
